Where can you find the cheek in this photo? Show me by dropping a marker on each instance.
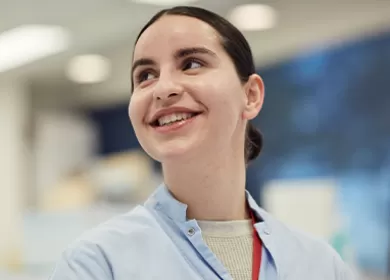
(136, 112)
(224, 97)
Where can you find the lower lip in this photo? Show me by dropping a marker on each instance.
(175, 126)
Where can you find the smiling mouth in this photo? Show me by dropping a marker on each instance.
(173, 119)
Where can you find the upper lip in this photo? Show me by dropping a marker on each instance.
(171, 110)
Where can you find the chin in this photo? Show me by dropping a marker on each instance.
(175, 150)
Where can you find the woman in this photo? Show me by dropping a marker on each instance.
(194, 91)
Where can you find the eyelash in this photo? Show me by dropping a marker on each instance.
(141, 76)
(193, 60)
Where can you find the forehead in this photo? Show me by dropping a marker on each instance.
(171, 32)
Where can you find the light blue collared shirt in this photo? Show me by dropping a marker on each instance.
(156, 241)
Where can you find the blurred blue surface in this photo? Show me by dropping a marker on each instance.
(327, 114)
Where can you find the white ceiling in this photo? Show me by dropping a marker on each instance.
(109, 27)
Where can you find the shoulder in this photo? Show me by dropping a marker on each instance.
(294, 238)
(92, 255)
(131, 223)
(315, 252)
(320, 251)
(125, 227)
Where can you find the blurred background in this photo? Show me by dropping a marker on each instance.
(70, 160)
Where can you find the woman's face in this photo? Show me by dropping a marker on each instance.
(187, 97)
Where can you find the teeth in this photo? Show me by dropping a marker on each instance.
(168, 119)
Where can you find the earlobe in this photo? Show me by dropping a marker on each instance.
(254, 97)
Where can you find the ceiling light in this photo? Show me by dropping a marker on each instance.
(165, 2)
(88, 69)
(28, 43)
(253, 17)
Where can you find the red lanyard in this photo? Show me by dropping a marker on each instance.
(256, 261)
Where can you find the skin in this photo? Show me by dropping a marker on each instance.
(203, 161)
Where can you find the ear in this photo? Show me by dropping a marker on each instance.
(254, 93)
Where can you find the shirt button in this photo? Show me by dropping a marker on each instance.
(266, 231)
(191, 232)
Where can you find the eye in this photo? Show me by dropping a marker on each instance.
(192, 64)
(144, 76)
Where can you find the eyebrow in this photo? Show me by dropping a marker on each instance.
(195, 50)
(142, 62)
(180, 53)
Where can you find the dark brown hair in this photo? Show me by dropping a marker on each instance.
(236, 46)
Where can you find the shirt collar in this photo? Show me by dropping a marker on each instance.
(163, 201)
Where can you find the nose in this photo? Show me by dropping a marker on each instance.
(167, 88)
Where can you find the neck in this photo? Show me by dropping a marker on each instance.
(214, 191)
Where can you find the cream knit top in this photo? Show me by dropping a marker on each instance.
(231, 242)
